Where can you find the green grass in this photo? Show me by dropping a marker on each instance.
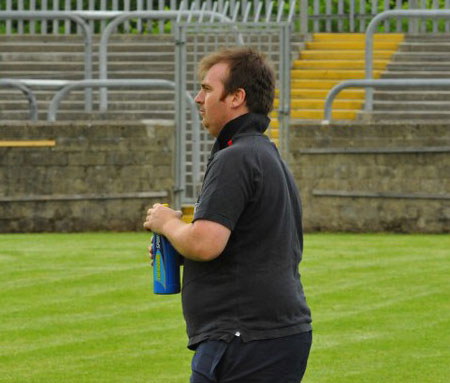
(80, 308)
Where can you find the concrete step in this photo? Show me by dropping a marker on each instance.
(351, 37)
(337, 64)
(118, 38)
(79, 48)
(6, 67)
(331, 74)
(297, 84)
(319, 104)
(428, 47)
(77, 115)
(426, 38)
(416, 74)
(78, 57)
(409, 116)
(154, 106)
(429, 57)
(317, 114)
(191, 85)
(113, 95)
(342, 55)
(399, 96)
(346, 46)
(79, 75)
(416, 106)
(412, 66)
(350, 94)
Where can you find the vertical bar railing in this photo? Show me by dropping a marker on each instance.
(304, 20)
(410, 14)
(329, 15)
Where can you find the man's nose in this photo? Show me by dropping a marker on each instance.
(199, 98)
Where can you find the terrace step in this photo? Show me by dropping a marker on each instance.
(440, 47)
(77, 116)
(78, 95)
(428, 57)
(418, 57)
(419, 66)
(424, 74)
(328, 60)
(407, 106)
(409, 116)
(422, 95)
(144, 106)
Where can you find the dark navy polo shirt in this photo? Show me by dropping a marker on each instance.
(253, 288)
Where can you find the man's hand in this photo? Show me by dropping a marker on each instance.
(158, 216)
(201, 240)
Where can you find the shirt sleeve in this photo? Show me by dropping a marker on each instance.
(226, 190)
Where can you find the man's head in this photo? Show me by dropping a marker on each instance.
(234, 82)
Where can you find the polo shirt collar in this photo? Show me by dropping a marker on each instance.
(247, 123)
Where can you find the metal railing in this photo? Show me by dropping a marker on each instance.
(354, 16)
(182, 21)
(58, 15)
(27, 92)
(180, 156)
(379, 83)
(67, 86)
(369, 83)
(237, 10)
(369, 39)
(159, 15)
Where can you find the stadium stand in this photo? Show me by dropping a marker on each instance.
(317, 65)
(421, 57)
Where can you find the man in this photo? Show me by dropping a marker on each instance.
(242, 298)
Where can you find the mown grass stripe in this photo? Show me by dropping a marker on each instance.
(82, 310)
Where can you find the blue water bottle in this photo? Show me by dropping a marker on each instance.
(166, 266)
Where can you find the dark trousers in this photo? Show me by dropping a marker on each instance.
(281, 360)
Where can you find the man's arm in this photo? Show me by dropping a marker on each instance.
(199, 241)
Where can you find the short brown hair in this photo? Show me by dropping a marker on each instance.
(249, 70)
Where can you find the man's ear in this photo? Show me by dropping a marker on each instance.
(239, 98)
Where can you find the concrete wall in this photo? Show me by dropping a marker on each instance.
(373, 177)
(352, 177)
(96, 177)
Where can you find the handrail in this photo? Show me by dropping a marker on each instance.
(75, 17)
(159, 15)
(71, 85)
(379, 83)
(369, 39)
(27, 92)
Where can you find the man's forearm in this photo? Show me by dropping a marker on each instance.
(199, 241)
(182, 236)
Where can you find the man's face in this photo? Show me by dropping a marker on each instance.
(214, 107)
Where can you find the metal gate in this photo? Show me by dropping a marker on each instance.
(196, 40)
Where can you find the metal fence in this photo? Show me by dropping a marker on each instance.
(355, 15)
(199, 40)
(195, 36)
(237, 10)
(309, 15)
